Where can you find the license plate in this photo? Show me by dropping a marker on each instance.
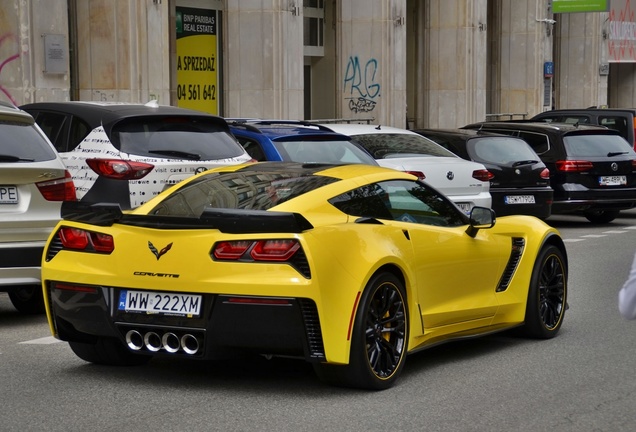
(465, 207)
(161, 303)
(519, 199)
(8, 195)
(613, 180)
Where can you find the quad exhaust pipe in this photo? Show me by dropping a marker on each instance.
(169, 342)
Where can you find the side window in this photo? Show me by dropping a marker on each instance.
(400, 200)
(252, 148)
(78, 130)
(54, 126)
(540, 143)
(617, 123)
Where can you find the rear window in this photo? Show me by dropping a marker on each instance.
(194, 138)
(249, 190)
(500, 150)
(323, 151)
(596, 145)
(386, 146)
(21, 142)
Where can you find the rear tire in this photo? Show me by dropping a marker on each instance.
(600, 216)
(108, 351)
(28, 299)
(379, 339)
(547, 295)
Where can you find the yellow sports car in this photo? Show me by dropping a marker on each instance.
(348, 267)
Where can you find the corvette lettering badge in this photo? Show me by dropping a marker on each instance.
(158, 253)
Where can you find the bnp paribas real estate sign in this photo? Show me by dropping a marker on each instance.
(566, 6)
(197, 55)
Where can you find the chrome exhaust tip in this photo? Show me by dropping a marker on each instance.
(152, 341)
(134, 340)
(190, 344)
(170, 342)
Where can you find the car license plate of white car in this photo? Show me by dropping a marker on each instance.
(162, 303)
(8, 195)
(613, 180)
(465, 207)
(519, 199)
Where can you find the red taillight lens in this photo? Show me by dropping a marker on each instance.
(274, 250)
(79, 239)
(259, 250)
(62, 189)
(120, 169)
(634, 165)
(483, 175)
(231, 250)
(573, 165)
(545, 174)
(419, 174)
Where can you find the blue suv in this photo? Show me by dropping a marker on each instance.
(296, 141)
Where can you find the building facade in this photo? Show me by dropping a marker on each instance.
(414, 63)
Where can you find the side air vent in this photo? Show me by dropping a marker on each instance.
(54, 247)
(312, 328)
(516, 251)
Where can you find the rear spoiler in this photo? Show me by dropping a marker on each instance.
(231, 221)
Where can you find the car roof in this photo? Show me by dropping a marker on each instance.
(461, 133)
(276, 129)
(365, 129)
(586, 110)
(97, 113)
(539, 126)
(12, 113)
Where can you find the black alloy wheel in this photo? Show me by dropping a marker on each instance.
(547, 296)
(28, 299)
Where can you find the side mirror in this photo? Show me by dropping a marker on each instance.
(480, 218)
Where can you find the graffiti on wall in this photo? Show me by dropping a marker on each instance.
(4, 61)
(360, 85)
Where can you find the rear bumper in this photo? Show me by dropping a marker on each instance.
(227, 326)
(20, 264)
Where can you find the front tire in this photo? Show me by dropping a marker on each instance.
(547, 295)
(379, 338)
(28, 299)
(108, 351)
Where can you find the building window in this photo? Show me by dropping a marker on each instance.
(313, 27)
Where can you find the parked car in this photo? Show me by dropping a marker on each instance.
(620, 119)
(128, 153)
(466, 183)
(520, 182)
(33, 184)
(592, 169)
(296, 141)
(349, 267)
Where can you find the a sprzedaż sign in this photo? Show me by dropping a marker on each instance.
(197, 59)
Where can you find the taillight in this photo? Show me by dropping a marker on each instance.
(634, 165)
(573, 165)
(545, 174)
(419, 174)
(87, 241)
(61, 189)
(256, 250)
(120, 169)
(483, 175)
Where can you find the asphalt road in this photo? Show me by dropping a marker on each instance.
(583, 380)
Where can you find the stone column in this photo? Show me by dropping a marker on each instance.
(451, 61)
(264, 59)
(371, 60)
(580, 51)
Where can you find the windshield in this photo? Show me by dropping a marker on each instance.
(249, 190)
(597, 145)
(323, 151)
(177, 137)
(383, 146)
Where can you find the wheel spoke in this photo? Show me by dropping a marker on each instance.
(551, 292)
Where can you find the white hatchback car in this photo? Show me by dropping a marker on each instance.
(465, 182)
(33, 184)
(128, 153)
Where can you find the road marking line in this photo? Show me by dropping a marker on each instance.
(594, 236)
(614, 232)
(42, 341)
(572, 240)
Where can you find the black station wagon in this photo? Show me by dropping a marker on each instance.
(521, 181)
(592, 169)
